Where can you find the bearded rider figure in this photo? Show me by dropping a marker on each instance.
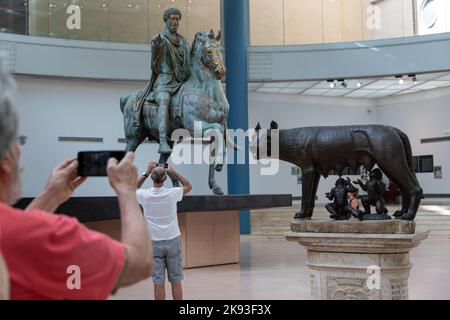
(170, 69)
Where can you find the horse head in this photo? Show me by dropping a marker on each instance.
(208, 50)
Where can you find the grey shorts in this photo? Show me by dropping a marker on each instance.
(167, 255)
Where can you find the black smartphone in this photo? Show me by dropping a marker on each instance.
(93, 163)
(165, 165)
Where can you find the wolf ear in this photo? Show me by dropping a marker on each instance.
(211, 34)
(219, 35)
(273, 125)
(258, 127)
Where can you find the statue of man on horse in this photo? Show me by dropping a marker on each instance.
(170, 69)
(185, 93)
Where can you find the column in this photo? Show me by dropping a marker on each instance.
(235, 21)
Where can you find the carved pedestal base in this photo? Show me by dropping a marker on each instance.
(352, 265)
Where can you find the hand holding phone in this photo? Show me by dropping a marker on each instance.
(152, 165)
(123, 175)
(164, 165)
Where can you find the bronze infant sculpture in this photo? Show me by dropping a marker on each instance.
(375, 188)
(340, 208)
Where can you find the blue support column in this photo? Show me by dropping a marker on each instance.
(235, 21)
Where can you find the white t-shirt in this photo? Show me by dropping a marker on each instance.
(160, 211)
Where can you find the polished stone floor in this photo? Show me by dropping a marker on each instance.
(276, 269)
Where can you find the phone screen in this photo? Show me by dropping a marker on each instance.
(94, 163)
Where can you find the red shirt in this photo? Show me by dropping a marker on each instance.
(39, 248)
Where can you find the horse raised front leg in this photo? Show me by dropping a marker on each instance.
(215, 131)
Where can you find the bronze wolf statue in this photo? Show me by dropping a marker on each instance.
(318, 150)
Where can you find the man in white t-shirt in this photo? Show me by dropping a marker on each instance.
(160, 211)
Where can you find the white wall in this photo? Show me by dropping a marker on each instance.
(63, 107)
(79, 108)
(292, 111)
(420, 115)
(423, 115)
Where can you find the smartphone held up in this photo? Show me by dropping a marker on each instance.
(94, 163)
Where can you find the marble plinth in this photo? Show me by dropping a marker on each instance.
(355, 260)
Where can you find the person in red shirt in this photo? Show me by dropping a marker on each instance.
(52, 256)
(4, 278)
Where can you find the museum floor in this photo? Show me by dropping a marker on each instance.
(276, 269)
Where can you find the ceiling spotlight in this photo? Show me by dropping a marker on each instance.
(359, 84)
(332, 85)
(401, 80)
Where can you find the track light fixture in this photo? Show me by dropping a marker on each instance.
(359, 84)
(413, 78)
(344, 84)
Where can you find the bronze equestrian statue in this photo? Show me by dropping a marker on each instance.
(319, 150)
(200, 105)
(184, 92)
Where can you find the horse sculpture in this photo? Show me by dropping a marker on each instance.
(318, 150)
(200, 105)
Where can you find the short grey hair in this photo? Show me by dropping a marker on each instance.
(8, 113)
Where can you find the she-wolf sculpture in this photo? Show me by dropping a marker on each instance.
(318, 150)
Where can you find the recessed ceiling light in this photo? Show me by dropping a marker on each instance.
(332, 84)
(401, 80)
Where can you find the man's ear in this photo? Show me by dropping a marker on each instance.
(274, 125)
(6, 164)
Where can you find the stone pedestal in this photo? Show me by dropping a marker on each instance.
(353, 260)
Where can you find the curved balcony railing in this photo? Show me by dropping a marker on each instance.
(272, 22)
